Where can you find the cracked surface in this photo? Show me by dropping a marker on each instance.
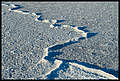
(33, 49)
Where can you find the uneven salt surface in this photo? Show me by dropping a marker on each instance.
(77, 73)
(35, 43)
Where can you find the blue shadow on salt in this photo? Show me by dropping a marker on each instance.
(40, 18)
(18, 7)
(54, 74)
(81, 38)
(73, 25)
(56, 47)
(58, 25)
(62, 45)
(10, 75)
(81, 28)
(86, 30)
(59, 21)
(51, 56)
(25, 11)
(111, 71)
(38, 13)
(51, 60)
(91, 34)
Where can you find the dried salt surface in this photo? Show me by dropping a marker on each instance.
(65, 41)
(74, 72)
(109, 76)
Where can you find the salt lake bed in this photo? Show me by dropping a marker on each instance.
(59, 40)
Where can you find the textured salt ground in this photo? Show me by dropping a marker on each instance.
(89, 45)
(23, 41)
(100, 17)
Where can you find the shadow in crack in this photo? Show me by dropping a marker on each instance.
(38, 13)
(54, 73)
(91, 34)
(81, 38)
(40, 18)
(57, 25)
(81, 28)
(64, 66)
(110, 71)
(17, 7)
(73, 26)
(51, 56)
(86, 30)
(25, 11)
(60, 21)
(59, 46)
